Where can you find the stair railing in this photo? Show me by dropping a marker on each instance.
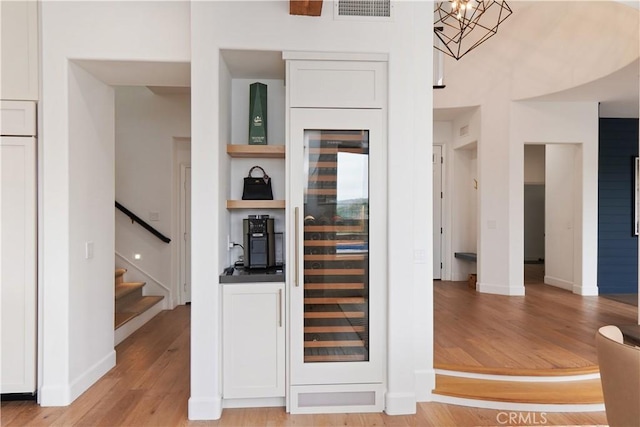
(136, 218)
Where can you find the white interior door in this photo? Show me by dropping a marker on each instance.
(437, 211)
(18, 250)
(185, 259)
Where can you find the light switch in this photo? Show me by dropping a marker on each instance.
(154, 216)
(88, 250)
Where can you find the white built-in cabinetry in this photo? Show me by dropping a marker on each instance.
(253, 313)
(18, 285)
(19, 50)
(317, 342)
(336, 205)
(253, 340)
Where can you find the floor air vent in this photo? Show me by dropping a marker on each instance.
(352, 9)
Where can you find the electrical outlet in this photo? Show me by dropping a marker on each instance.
(229, 243)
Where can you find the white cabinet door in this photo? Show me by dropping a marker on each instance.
(253, 340)
(337, 205)
(19, 50)
(18, 288)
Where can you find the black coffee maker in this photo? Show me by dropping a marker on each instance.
(259, 242)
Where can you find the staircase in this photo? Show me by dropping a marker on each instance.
(132, 308)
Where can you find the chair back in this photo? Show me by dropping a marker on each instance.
(620, 377)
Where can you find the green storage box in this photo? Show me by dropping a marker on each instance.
(258, 114)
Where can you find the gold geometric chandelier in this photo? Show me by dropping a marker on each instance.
(462, 25)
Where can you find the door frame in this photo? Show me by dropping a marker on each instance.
(184, 288)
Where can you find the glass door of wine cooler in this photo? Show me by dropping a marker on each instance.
(336, 318)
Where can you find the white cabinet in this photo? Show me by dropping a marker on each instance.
(19, 50)
(253, 329)
(18, 286)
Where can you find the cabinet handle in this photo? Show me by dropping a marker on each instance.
(280, 307)
(297, 244)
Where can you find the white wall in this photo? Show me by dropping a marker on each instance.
(91, 170)
(574, 123)
(75, 146)
(533, 55)
(146, 124)
(217, 25)
(460, 216)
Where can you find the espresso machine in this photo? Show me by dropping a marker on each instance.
(259, 242)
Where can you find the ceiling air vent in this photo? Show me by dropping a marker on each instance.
(359, 9)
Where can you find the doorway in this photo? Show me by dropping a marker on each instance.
(534, 213)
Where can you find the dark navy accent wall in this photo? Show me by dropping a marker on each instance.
(617, 244)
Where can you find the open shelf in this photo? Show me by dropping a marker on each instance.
(256, 151)
(255, 204)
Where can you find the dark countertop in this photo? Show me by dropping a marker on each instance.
(240, 275)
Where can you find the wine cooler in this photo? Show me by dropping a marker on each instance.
(337, 307)
(336, 246)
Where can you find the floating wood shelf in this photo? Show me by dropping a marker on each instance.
(255, 204)
(256, 151)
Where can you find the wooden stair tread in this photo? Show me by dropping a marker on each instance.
(520, 372)
(136, 309)
(124, 289)
(562, 392)
(122, 318)
(120, 275)
(143, 304)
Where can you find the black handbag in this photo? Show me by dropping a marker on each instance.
(257, 188)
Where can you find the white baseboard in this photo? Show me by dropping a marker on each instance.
(54, 395)
(205, 408)
(265, 402)
(136, 323)
(64, 395)
(425, 383)
(400, 403)
(558, 283)
(489, 288)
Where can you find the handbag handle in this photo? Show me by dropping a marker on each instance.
(264, 174)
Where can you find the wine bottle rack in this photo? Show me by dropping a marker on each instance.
(336, 260)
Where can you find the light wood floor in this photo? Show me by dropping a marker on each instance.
(150, 387)
(549, 328)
